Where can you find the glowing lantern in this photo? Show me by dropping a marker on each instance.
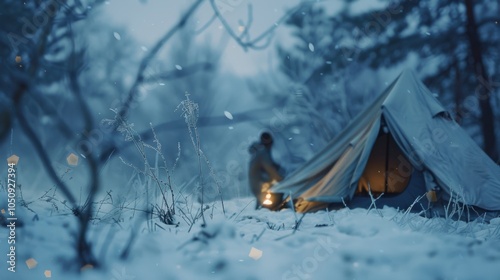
(268, 200)
(271, 201)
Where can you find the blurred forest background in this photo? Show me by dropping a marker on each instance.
(74, 81)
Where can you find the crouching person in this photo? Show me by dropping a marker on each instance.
(263, 171)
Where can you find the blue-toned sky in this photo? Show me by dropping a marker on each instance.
(149, 20)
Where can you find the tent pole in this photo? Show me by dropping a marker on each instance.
(387, 162)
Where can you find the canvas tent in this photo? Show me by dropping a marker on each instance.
(404, 144)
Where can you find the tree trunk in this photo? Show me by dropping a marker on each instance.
(458, 93)
(482, 90)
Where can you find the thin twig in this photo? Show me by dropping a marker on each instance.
(176, 74)
(122, 113)
(266, 35)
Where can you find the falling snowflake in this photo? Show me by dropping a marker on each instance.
(311, 47)
(228, 115)
(117, 36)
(31, 263)
(72, 159)
(13, 159)
(255, 253)
(178, 67)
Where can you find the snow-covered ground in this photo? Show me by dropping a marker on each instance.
(260, 244)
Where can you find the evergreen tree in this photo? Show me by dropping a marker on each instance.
(456, 43)
(319, 98)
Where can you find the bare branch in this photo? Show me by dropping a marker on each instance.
(244, 41)
(122, 113)
(206, 25)
(175, 74)
(35, 141)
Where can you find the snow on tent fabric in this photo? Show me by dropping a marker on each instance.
(404, 143)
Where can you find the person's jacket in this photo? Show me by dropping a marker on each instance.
(262, 169)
